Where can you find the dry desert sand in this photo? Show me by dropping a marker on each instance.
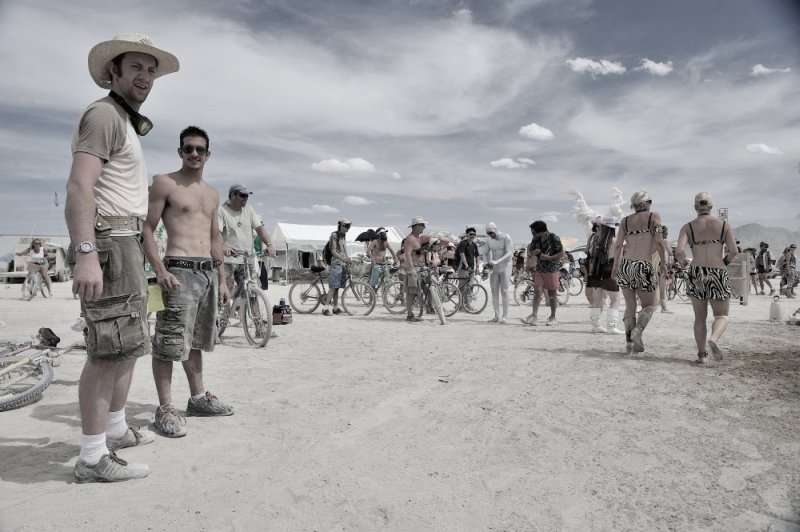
(374, 424)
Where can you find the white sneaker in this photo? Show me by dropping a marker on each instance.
(530, 320)
(551, 321)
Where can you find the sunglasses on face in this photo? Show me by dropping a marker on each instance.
(187, 150)
(37, 243)
(492, 234)
(471, 234)
(243, 195)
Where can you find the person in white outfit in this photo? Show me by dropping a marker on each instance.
(501, 251)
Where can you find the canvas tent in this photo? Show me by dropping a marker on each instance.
(300, 245)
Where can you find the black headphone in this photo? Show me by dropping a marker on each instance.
(141, 123)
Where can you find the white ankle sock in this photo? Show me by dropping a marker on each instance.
(199, 396)
(116, 425)
(93, 447)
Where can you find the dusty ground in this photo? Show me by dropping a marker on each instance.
(374, 424)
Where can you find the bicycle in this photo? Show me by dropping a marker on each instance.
(474, 296)
(442, 298)
(33, 283)
(574, 280)
(254, 309)
(306, 294)
(26, 370)
(677, 287)
(386, 277)
(524, 290)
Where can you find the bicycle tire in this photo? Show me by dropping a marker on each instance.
(562, 294)
(450, 298)
(575, 286)
(41, 372)
(394, 299)
(257, 317)
(522, 292)
(305, 296)
(358, 299)
(28, 288)
(437, 305)
(475, 298)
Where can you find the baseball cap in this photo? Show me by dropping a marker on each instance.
(238, 188)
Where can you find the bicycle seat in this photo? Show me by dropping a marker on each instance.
(317, 269)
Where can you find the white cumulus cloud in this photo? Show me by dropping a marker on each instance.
(761, 70)
(536, 132)
(356, 200)
(396, 175)
(355, 165)
(314, 209)
(512, 164)
(603, 67)
(655, 68)
(549, 218)
(763, 148)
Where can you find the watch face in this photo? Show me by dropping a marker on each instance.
(86, 247)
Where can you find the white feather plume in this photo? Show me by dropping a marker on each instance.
(616, 204)
(584, 214)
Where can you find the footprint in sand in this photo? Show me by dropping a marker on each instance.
(731, 479)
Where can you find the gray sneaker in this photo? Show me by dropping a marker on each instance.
(169, 423)
(208, 405)
(110, 468)
(131, 438)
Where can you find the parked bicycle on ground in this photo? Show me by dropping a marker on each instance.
(306, 294)
(523, 291)
(474, 296)
(252, 305)
(26, 370)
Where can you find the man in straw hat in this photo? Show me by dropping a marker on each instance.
(413, 260)
(105, 208)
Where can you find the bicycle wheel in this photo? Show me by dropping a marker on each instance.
(575, 286)
(394, 298)
(23, 384)
(523, 292)
(257, 317)
(451, 299)
(358, 299)
(305, 296)
(223, 316)
(28, 288)
(562, 294)
(436, 302)
(475, 298)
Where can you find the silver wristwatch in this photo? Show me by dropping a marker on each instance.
(85, 247)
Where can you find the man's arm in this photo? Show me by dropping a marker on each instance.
(509, 246)
(261, 231)
(79, 211)
(409, 256)
(217, 254)
(339, 255)
(157, 200)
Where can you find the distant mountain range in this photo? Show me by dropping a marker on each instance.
(778, 238)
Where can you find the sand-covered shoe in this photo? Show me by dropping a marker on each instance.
(208, 405)
(636, 339)
(169, 423)
(131, 438)
(701, 357)
(110, 468)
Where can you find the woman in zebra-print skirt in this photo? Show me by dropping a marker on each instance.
(713, 248)
(633, 266)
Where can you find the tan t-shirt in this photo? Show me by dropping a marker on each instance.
(237, 229)
(106, 132)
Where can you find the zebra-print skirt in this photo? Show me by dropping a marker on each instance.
(637, 275)
(708, 283)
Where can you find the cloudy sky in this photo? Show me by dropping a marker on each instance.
(458, 111)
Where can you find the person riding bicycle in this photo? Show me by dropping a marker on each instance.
(36, 257)
(376, 251)
(237, 222)
(337, 243)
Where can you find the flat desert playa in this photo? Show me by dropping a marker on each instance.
(373, 423)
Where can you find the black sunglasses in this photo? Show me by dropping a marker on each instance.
(243, 195)
(187, 150)
(471, 234)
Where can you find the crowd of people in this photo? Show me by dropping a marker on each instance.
(113, 219)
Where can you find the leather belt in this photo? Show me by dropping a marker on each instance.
(205, 265)
(124, 223)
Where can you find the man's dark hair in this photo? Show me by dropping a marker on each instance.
(194, 131)
(538, 226)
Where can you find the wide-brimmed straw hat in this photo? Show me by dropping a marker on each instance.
(105, 51)
(416, 220)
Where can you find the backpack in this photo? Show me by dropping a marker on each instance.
(327, 256)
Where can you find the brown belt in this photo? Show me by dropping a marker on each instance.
(124, 223)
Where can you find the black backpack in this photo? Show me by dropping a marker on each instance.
(327, 255)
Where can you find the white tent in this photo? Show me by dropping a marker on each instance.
(292, 240)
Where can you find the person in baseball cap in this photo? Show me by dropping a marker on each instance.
(239, 189)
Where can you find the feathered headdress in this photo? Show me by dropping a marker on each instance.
(586, 216)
